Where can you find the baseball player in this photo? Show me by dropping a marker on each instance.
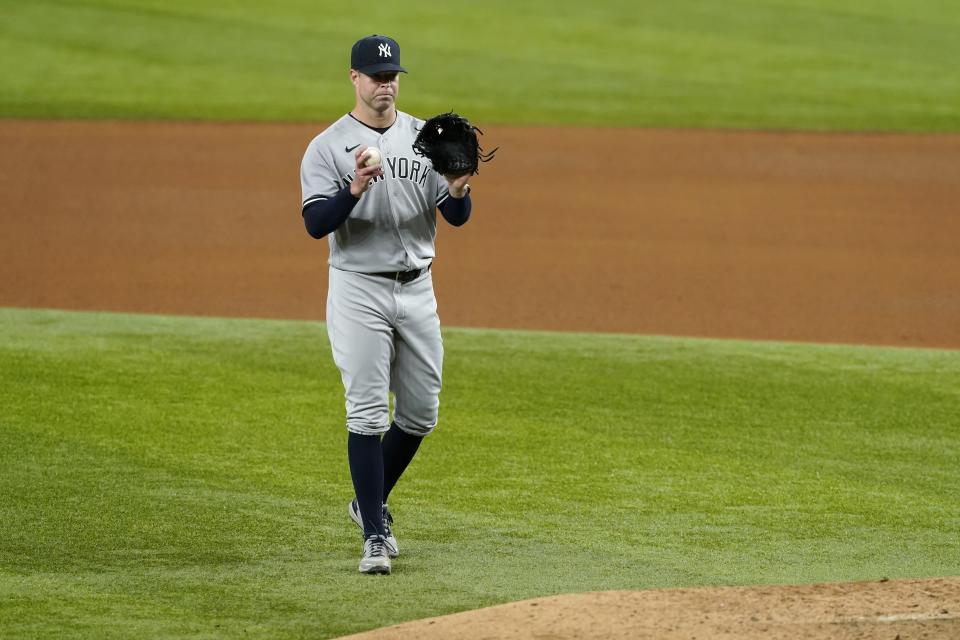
(376, 202)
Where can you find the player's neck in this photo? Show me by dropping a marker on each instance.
(375, 119)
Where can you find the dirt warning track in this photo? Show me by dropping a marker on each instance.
(811, 237)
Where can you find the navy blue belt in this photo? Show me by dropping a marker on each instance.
(404, 276)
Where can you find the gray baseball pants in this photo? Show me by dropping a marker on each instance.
(385, 337)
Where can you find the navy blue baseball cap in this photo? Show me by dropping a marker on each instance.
(376, 54)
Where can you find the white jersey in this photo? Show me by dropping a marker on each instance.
(393, 226)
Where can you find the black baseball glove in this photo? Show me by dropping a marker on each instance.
(450, 142)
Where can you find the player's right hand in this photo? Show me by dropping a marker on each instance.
(363, 176)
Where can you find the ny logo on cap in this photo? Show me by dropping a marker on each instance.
(385, 51)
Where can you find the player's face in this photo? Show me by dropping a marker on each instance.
(379, 91)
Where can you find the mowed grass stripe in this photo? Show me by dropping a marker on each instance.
(169, 476)
(776, 64)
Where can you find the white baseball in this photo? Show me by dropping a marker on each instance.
(370, 157)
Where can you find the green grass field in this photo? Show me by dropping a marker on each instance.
(181, 477)
(781, 64)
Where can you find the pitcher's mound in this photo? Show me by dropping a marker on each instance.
(888, 610)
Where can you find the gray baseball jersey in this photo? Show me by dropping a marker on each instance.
(394, 225)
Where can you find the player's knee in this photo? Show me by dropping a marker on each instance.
(367, 416)
(418, 420)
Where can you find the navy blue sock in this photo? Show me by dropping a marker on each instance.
(366, 469)
(399, 448)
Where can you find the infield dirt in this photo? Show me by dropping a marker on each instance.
(808, 237)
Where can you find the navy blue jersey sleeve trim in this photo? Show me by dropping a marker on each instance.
(324, 216)
(456, 211)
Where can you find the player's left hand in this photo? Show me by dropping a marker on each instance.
(457, 185)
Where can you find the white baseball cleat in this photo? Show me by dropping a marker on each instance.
(375, 558)
(389, 539)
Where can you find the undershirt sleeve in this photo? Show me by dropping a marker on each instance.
(324, 216)
(456, 211)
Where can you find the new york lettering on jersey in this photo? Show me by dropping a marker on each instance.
(399, 169)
